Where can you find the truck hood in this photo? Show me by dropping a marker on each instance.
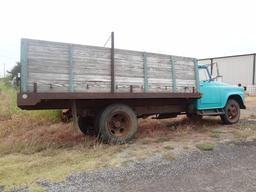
(226, 85)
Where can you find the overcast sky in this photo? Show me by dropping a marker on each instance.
(198, 28)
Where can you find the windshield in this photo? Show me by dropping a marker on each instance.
(203, 74)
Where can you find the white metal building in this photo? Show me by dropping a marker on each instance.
(236, 69)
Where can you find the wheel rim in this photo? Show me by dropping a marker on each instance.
(232, 111)
(119, 124)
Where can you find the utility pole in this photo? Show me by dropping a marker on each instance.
(4, 70)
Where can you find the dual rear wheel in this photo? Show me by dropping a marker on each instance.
(117, 123)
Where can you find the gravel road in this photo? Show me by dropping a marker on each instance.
(229, 167)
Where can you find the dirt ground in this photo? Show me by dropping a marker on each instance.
(166, 156)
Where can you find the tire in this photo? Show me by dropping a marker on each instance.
(232, 112)
(194, 117)
(66, 115)
(86, 125)
(117, 123)
(96, 123)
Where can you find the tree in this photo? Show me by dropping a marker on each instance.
(15, 71)
(14, 76)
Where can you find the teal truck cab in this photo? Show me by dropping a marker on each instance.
(218, 98)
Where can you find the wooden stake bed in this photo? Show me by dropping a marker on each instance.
(54, 74)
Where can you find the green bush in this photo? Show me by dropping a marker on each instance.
(206, 146)
(8, 106)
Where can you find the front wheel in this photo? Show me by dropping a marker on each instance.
(232, 112)
(117, 123)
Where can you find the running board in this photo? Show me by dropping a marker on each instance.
(211, 112)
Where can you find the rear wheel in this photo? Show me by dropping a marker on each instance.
(117, 124)
(232, 112)
(86, 125)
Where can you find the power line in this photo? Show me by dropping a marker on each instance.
(107, 40)
(7, 56)
(8, 60)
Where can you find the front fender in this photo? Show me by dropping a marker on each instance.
(236, 95)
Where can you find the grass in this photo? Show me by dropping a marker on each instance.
(169, 156)
(202, 128)
(246, 131)
(245, 134)
(126, 163)
(253, 116)
(205, 146)
(215, 133)
(27, 170)
(162, 139)
(18, 126)
(9, 109)
(36, 146)
(7, 101)
(168, 147)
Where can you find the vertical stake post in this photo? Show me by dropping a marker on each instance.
(71, 69)
(24, 65)
(145, 66)
(195, 61)
(174, 86)
(112, 63)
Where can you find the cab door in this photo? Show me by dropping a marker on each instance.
(210, 91)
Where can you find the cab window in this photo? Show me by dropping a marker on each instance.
(203, 74)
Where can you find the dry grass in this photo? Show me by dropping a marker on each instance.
(35, 145)
(169, 156)
(250, 99)
(246, 130)
(168, 147)
(215, 133)
(26, 131)
(151, 130)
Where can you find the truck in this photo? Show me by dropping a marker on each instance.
(108, 89)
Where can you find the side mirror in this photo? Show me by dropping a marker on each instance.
(217, 78)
